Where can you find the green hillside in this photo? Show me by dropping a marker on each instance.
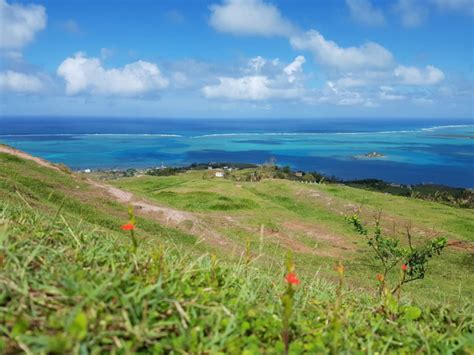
(309, 219)
(208, 273)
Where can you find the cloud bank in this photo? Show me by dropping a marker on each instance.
(20, 82)
(331, 54)
(20, 24)
(87, 75)
(249, 17)
(353, 74)
(278, 82)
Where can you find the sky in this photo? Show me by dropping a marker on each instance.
(237, 58)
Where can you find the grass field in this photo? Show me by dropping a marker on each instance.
(308, 218)
(69, 282)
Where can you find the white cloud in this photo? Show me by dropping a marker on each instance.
(412, 13)
(251, 88)
(294, 68)
(339, 96)
(87, 75)
(249, 17)
(430, 75)
(364, 88)
(364, 12)
(387, 93)
(19, 24)
(353, 74)
(244, 88)
(330, 54)
(180, 80)
(256, 64)
(349, 82)
(13, 81)
(283, 84)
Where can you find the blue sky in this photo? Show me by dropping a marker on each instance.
(237, 58)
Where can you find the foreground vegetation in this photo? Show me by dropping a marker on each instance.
(72, 288)
(71, 283)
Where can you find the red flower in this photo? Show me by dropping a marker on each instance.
(380, 277)
(404, 267)
(291, 278)
(128, 227)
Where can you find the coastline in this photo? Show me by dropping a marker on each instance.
(407, 152)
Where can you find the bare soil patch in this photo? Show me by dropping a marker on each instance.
(339, 245)
(186, 221)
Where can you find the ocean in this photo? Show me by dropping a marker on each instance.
(411, 151)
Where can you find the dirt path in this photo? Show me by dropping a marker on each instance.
(332, 244)
(186, 221)
(23, 155)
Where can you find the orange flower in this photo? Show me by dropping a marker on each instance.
(404, 267)
(128, 227)
(291, 278)
(380, 277)
(340, 268)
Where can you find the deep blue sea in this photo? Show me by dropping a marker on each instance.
(414, 151)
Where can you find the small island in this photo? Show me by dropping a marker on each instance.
(374, 155)
(371, 155)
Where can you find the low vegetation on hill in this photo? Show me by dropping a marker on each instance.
(211, 272)
(453, 196)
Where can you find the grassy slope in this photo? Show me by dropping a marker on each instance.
(281, 204)
(68, 282)
(51, 191)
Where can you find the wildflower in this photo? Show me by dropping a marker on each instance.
(340, 271)
(291, 278)
(340, 268)
(128, 227)
(287, 300)
(380, 277)
(402, 280)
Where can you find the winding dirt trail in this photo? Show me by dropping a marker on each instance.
(23, 155)
(188, 222)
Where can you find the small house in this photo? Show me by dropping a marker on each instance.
(299, 174)
(219, 174)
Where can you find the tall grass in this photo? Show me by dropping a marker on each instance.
(69, 286)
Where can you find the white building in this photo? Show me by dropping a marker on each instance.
(219, 174)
